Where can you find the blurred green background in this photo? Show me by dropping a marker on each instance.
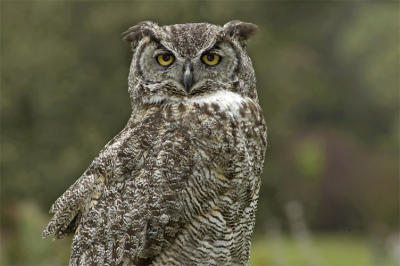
(328, 81)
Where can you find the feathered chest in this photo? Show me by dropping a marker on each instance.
(218, 124)
(216, 113)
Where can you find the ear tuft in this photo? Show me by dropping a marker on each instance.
(239, 29)
(135, 33)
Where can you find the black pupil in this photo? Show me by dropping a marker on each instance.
(166, 57)
(210, 57)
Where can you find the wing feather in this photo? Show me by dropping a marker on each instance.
(70, 204)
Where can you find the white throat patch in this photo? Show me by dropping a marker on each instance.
(226, 100)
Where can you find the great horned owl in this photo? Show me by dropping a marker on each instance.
(179, 184)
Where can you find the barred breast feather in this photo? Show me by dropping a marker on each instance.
(178, 186)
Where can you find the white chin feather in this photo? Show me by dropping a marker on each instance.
(229, 102)
(226, 100)
(155, 99)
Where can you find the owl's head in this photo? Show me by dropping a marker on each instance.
(172, 63)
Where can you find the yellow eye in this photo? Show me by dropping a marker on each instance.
(211, 59)
(165, 59)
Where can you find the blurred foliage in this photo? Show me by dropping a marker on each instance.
(332, 250)
(328, 82)
(24, 245)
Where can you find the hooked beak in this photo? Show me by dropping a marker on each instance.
(187, 75)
